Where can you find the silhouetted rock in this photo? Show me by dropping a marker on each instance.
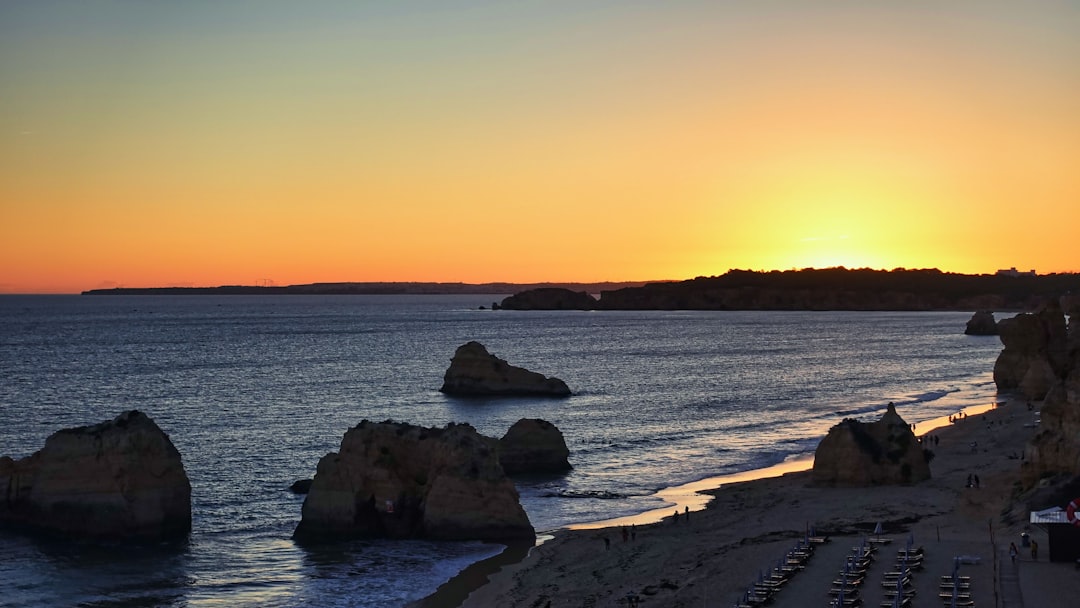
(982, 323)
(533, 446)
(117, 480)
(476, 372)
(402, 481)
(827, 289)
(1035, 353)
(1056, 448)
(876, 453)
(549, 298)
(300, 486)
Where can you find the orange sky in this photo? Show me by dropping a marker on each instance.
(152, 144)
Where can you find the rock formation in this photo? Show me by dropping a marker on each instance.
(117, 480)
(1056, 448)
(982, 323)
(533, 446)
(402, 481)
(875, 453)
(476, 372)
(1035, 353)
(549, 298)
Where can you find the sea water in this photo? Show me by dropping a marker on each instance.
(253, 390)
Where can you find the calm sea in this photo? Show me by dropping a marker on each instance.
(254, 390)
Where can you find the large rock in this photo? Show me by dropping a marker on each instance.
(982, 323)
(397, 480)
(865, 454)
(118, 480)
(1035, 353)
(1056, 448)
(476, 372)
(549, 298)
(533, 446)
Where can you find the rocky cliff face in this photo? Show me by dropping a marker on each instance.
(533, 446)
(1056, 448)
(866, 454)
(118, 480)
(549, 298)
(402, 481)
(1035, 354)
(476, 372)
(982, 323)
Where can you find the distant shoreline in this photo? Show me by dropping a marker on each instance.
(363, 288)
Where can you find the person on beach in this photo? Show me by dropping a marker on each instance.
(633, 532)
(687, 511)
(675, 517)
(1012, 552)
(607, 543)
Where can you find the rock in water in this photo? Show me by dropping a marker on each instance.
(533, 446)
(866, 454)
(549, 298)
(982, 323)
(397, 480)
(476, 372)
(117, 480)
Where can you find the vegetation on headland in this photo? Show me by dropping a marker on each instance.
(824, 289)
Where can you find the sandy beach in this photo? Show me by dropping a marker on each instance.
(711, 557)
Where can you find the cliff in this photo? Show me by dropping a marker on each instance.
(836, 289)
(1044, 353)
(117, 480)
(397, 480)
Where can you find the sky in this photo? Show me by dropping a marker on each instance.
(200, 143)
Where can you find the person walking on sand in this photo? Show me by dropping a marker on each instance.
(675, 517)
(687, 511)
(1012, 552)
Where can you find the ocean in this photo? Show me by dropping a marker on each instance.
(253, 390)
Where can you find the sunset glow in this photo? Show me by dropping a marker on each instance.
(153, 144)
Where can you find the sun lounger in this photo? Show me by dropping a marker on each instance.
(947, 586)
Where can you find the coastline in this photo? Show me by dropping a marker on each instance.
(739, 524)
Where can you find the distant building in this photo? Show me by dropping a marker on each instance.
(1013, 272)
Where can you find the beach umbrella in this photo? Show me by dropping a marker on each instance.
(955, 581)
(877, 529)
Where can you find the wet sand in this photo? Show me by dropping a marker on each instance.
(712, 558)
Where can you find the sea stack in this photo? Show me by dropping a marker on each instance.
(982, 323)
(395, 480)
(885, 452)
(474, 371)
(533, 446)
(114, 481)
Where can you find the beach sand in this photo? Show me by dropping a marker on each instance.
(710, 558)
